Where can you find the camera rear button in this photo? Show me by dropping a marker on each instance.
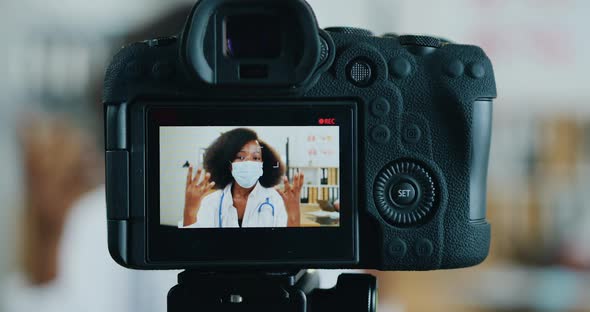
(397, 248)
(360, 72)
(400, 67)
(455, 68)
(476, 70)
(380, 134)
(424, 248)
(411, 134)
(380, 107)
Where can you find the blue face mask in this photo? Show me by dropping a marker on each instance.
(246, 173)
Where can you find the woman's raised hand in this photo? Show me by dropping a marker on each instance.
(194, 193)
(291, 195)
(59, 164)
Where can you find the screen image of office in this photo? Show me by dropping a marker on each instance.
(231, 177)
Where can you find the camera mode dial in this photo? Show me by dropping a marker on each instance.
(404, 193)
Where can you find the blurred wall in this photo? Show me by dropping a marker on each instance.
(51, 55)
(539, 48)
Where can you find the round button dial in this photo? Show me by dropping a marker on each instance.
(404, 193)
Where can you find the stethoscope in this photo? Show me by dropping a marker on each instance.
(267, 202)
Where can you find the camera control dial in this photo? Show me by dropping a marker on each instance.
(350, 31)
(422, 41)
(404, 193)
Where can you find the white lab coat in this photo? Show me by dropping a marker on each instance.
(88, 279)
(265, 208)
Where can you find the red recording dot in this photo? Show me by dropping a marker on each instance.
(321, 121)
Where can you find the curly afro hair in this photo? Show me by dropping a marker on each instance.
(222, 152)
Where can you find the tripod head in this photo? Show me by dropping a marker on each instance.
(295, 291)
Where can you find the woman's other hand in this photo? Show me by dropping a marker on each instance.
(195, 191)
(337, 204)
(60, 164)
(291, 195)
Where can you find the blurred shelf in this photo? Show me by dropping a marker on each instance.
(513, 286)
(321, 185)
(313, 167)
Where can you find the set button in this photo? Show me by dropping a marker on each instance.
(403, 193)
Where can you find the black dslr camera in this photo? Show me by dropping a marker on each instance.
(392, 132)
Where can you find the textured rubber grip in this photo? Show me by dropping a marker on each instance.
(422, 41)
(350, 31)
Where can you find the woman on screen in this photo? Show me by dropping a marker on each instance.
(245, 171)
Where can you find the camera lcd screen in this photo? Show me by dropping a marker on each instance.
(250, 176)
(250, 149)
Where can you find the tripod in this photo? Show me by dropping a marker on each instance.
(295, 291)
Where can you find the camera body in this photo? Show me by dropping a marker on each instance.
(414, 115)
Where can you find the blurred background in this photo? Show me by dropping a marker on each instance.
(53, 55)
